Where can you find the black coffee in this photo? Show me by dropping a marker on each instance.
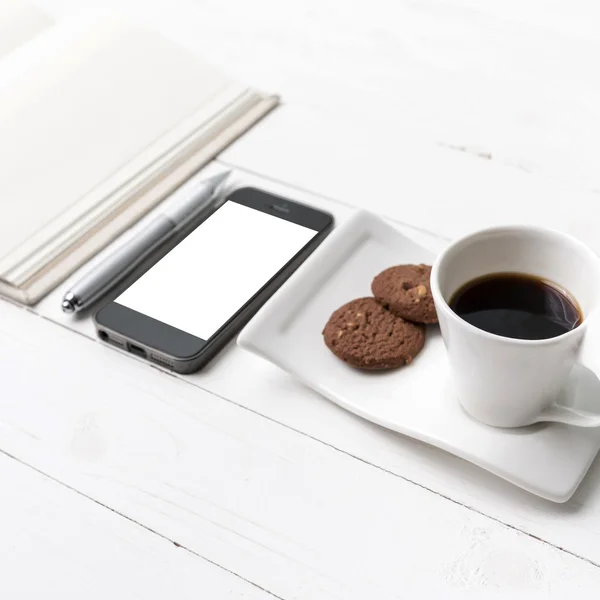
(516, 306)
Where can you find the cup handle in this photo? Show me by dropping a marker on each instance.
(589, 357)
(570, 416)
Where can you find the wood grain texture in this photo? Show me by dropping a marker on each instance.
(286, 512)
(57, 543)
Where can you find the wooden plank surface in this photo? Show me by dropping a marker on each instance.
(516, 80)
(287, 512)
(56, 543)
(436, 189)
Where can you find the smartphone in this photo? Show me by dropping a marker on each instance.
(188, 305)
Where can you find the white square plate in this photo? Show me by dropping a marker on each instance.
(547, 459)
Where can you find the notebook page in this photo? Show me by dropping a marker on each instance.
(20, 22)
(125, 186)
(85, 108)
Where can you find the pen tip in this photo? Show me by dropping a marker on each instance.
(217, 180)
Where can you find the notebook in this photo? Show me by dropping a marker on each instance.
(99, 121)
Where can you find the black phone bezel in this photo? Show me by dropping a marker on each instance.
(182, 349)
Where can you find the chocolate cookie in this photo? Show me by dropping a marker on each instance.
(367, 336)
(406, 291)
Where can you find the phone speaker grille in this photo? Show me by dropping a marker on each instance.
(163, 362)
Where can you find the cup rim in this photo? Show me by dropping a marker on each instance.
(440, 301)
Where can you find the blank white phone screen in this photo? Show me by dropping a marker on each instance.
(216, 269)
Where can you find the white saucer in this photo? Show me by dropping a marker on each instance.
(549, 460)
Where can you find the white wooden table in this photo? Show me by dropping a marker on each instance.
(120, 480)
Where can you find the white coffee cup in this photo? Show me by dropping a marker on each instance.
(508, 382)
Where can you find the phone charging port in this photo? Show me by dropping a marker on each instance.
(136, 350)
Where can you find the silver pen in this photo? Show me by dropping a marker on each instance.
(125, 259)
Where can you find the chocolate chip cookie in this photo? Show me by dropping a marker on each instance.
(406, 291)
(367, 336)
